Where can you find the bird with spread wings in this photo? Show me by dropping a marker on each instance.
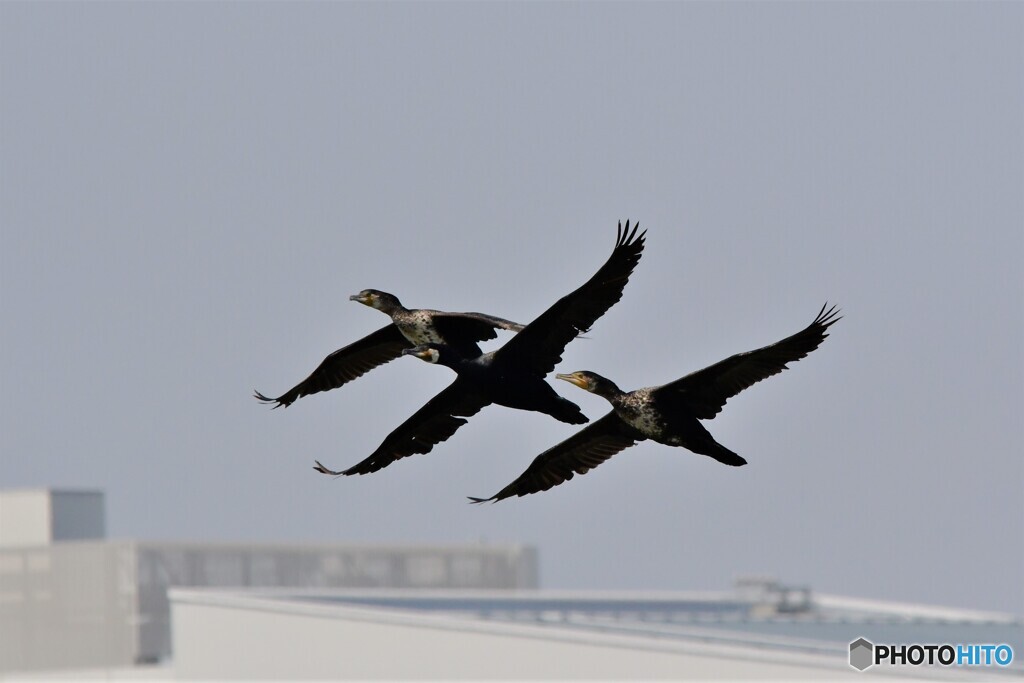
(408, 328)
(513, 375)
(669, 414)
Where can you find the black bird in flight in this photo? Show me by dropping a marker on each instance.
(513, 375)
(669, 414)
(409, 327)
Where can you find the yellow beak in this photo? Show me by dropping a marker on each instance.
(574, 378)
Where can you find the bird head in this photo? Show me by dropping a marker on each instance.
(374, 298)
(430, 353)
(590, 381)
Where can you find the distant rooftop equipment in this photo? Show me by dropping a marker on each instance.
(773, 597)
(34, 517)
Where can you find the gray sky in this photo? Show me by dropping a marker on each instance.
(191, 191)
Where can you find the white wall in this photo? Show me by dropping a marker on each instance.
(253, 638)
(25, 518)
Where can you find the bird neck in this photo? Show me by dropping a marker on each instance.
(392, 308)
(608, 390)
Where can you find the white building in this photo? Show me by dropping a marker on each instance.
(545, 635)
(75, 606)
(72, 603)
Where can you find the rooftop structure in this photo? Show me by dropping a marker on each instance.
(43, 516)
(559, 635)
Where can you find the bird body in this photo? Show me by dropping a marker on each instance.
(418, 326)
(493, 381)
(427, 326)
(669, 414)
(408, 328)
(639, 410)
(656, 414)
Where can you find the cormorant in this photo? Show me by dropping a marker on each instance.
(513, 375)
(409, 327)
(669, 414)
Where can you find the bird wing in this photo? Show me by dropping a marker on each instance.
(346, 364)
(706, 391)
(477, 326)
(578, 454)
(538, 347)
(435, 422)
(461, 331)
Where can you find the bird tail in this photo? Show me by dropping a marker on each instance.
(567, 411)
(720, 453)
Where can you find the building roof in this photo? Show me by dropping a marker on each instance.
(730, 634)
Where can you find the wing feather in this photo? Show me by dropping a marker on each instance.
(461, 331)
(435, 422)
(346, 364)
(538, 347)
(472, 323)
(706, 391)
(578, 454)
